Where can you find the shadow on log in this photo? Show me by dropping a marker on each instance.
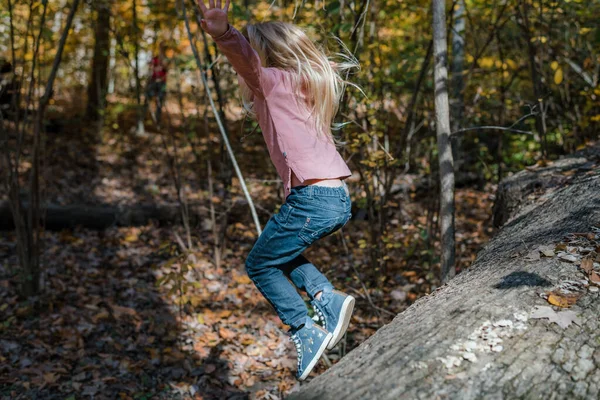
(475, 337)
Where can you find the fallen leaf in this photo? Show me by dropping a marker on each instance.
(595, 278)
(210, 368)
(226, 333)
(567, 257)
(563, 300)
(533, 255)
(547, 251)
(398, 295)
(561, 318)
(243, 279)
(50, 377)
(560, 247)
(587, 265)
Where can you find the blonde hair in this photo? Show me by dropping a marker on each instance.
(286, 46)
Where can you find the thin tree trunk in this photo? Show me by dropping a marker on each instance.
(98, 84)
(138, 85)
(27, 222)
(442, 118)
(219, 122)
(409, 125)
(540, 120)
(457, 82)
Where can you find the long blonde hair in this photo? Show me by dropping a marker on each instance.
(286, 46)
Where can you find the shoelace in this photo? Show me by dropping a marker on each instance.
(298, 342)
(320, 316)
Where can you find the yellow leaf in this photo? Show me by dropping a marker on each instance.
(131, 238)
(554, 65)
(563, 301)
(558, 76)
(243, 279)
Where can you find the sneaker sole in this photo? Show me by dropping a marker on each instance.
(343, 322)
(316, 358)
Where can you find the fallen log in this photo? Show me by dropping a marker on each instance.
(489, 333)
(59, 217)
(516, 193)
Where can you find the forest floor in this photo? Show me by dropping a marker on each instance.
(129, 313)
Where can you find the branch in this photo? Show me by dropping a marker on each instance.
(59, 53)
(236, 167)
(586, 77)
(499, 128)
(533, 113)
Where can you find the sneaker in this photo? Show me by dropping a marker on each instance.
(334, 311)
(311, 341)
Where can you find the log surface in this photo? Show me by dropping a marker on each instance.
(441, 346)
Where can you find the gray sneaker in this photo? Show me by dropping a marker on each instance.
(334, 311)
(311, 341)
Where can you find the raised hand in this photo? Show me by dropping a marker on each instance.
(215, 21)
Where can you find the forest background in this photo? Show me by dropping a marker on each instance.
(136, 262)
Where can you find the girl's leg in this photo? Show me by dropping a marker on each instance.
(276, 247)
(306, 276)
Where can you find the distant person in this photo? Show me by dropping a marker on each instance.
(294, 91)
(157, 82)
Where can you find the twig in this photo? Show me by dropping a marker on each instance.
(499, 128)
(326, 360)
(213, 219)
(180, 242)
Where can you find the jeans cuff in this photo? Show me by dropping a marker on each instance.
(319, 288)
(298, 323)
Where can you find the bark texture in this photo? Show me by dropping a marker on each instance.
(518, 193)
(421, 353)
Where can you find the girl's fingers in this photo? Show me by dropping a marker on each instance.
(226, 6)
(218, 3)
(211, 3)
(202, 6)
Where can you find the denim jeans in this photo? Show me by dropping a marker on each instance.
(309, 213)
(156, 89)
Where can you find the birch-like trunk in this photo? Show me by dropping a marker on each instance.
(457, 82)
(442, 123)
(138, 85)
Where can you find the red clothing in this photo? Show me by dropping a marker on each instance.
(288, 130)
(159, 72)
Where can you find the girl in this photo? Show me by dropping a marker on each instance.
(293, 90)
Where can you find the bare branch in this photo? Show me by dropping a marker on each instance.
(498, 128)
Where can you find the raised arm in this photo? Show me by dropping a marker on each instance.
(236, 48)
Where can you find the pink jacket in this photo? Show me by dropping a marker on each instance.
(291, 138)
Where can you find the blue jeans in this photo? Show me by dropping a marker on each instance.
(309, 213)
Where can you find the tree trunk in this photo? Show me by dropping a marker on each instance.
(138, 85)
(475, 338)
(27, 218)
(540, 120)
(442, 123)
(458, 84)
(98, 84)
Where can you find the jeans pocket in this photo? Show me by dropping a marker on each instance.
(315, 228)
